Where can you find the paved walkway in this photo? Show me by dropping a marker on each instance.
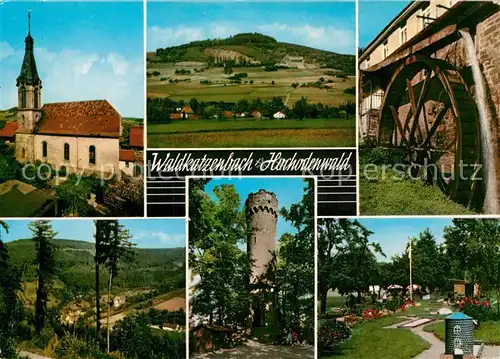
(437, 346)
(252, 349)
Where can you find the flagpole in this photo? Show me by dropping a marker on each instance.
(411, 279)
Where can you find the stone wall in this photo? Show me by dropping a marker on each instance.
(262, 217)
(488, 51)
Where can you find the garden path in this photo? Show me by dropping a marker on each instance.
(252, 349)
(490, 352)
(437, 346)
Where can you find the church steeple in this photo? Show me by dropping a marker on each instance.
(29, 73)
(29, 87)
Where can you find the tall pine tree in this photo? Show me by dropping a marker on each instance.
(43, 235)
(114, 246)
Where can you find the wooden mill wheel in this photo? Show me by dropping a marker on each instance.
(429, 116)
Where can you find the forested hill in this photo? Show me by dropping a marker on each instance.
(253, 47)
(75, 264)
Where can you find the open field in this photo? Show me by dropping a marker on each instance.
(172, 305)
(221, 90)
(254, 133)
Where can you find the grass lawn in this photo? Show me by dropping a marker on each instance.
(489, 332)
(372, 340)
(388, 194)
(254, 133)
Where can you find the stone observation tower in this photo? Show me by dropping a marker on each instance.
(262, 217)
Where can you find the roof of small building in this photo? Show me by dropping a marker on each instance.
(136, 136)
(175, 116)
(83, 118)
(187, 109)
(19, 199)
(127, 155)
(9, 130)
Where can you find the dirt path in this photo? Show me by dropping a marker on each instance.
(253, 349)
(113, 319)
(23, 354)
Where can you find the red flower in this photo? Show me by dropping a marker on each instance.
(485, 303)
(476, 302)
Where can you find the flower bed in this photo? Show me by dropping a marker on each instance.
(333, 333)
(476, 308)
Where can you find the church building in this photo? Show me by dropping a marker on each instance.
(82, 136)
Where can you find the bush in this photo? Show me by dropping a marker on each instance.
(395, 303)
(476, 308)
(331, 334)
(9, 168)
(376, 156)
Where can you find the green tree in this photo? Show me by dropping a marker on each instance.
(301, 108)
(429, 264)
(43, 235)
(295, 267)
(194, 104)
(115, 245)
(10, 283)
(346, 257)
(217, 227)
(474, 248)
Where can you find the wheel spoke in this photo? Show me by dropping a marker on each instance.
(437, 122)
(399, 126)
(417, 106)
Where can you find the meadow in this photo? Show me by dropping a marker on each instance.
(254, 133)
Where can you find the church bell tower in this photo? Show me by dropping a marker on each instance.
(29, 88)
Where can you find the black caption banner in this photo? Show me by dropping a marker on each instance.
(334, 169)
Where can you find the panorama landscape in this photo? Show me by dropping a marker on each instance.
(81, 289)
(243, 80)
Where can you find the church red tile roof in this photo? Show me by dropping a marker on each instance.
(84, 118)
(9, 130)
(136, 136)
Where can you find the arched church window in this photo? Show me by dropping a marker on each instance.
(66, 151)
(36, 98)
(92, 154)
(23, 97)
(44, 149)
(23, 153)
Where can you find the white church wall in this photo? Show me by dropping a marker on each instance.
(107, 151)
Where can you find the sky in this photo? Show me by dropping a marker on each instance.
(374, 16)
(287, 190)
(392, 233)
(326, 26)
(83, 51)
(147, 233)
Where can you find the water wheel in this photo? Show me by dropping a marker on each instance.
(429, 116)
